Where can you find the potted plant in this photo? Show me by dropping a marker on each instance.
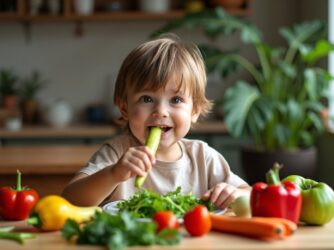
(280, 109)
(29, 89)
(8, 89)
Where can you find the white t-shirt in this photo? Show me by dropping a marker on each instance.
(199, 168)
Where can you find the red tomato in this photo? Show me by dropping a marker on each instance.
(197, 221)
(166, 219)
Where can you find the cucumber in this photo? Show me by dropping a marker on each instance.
(152, 142)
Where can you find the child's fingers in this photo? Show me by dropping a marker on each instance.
(149, 154)
(206, 195)
(140, 161)
(225, 198)
(216, 190)
(146, 157)
(131, 166)
(222, 194)
(139, 157)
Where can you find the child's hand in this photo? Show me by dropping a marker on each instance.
(222, 194)
(136, 161)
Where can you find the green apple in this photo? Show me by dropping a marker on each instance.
(317, 200)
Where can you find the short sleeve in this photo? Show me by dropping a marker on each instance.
(108, 154)
(219, 169)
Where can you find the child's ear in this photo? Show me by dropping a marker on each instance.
(124, 111)
(195, 116)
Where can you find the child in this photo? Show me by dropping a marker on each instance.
(161, 83)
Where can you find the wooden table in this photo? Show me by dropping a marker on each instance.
(306, 238)
(46, 168)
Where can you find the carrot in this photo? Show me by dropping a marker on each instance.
(290, 227)
(261, 229)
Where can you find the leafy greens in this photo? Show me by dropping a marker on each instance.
(145, 203)
(118, 231)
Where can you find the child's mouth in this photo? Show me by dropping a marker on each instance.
(163, 128)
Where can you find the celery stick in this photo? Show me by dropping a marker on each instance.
(6, 229)
(152, 142)
(18, 237)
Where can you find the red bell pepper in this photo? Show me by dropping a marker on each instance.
(276, 198)
(16, 203)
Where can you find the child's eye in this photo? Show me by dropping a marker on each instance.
(176, 100)
(146, 99)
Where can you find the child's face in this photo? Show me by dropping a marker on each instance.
(168, 108)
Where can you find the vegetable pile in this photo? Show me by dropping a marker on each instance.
(119, 231)
(145, 203)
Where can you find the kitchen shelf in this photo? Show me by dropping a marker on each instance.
(73, 131)
(106, 16)
(97, 16)
(91, 131)
(68, 14)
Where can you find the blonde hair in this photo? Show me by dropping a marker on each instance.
(153, 63)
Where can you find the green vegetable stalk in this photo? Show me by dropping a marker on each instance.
(152, 142)
(5, 233)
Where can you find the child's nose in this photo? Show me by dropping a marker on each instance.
(161, 110)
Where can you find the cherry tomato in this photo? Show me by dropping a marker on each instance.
(197, 221)
(165, 219)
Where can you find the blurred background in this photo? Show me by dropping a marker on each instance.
(81, 69)
(75, 48)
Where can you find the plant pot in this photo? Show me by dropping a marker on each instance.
(9, 102)
(96, 114)
(256, 163)
(30, 111)
(59, 114)
(13, 123)
(84, 7)
(156, 6)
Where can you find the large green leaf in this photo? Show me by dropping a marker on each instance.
(245, 109)
(294, 111)
(282, 134)
(288, 69)
(236, 104)
(321, 49)
(215, 59)
(302, 33)
(250, 34)
(311, 83)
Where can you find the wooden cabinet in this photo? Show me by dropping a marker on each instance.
(21, 10)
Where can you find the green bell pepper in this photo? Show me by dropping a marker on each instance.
(317, 200)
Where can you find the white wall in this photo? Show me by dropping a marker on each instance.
(82, 69)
